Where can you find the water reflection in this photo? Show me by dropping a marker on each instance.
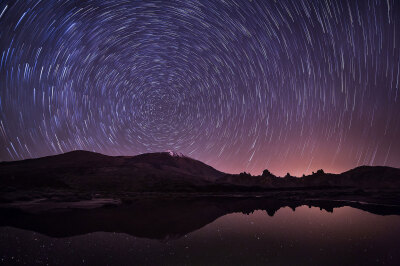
(203, 232)
(160, 218)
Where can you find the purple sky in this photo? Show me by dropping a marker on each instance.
(292, 86)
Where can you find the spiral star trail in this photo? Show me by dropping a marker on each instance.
(292, 86)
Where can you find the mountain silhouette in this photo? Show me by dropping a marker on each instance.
(169, 171)
(89, 170)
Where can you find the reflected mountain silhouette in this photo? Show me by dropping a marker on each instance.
(160, 219)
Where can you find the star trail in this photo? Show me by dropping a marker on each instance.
(292, 86)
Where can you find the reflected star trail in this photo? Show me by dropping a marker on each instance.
(292, 86)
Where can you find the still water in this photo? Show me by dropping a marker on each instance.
(306, 236)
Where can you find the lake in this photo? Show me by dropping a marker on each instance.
(306, 236)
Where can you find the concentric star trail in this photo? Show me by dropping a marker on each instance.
(292, 86)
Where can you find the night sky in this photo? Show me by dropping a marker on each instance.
(292, 86)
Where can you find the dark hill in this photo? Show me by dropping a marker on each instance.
(89, 170)
(168, 171)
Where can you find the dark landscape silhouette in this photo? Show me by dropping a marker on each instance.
(168, 171)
